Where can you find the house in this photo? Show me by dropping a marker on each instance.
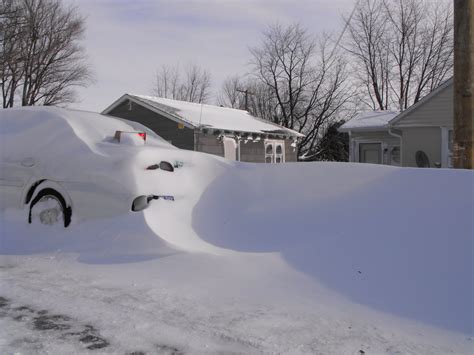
(427, 129)
(420, 136)
(230, 133)
(371, 139)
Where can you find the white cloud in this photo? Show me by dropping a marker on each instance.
(127, 40)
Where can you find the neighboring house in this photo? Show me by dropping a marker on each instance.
(371, 140)
(427, 129)
(230, 133)
(420, 136)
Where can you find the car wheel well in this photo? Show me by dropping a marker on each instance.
(31, 191)
(67, 212)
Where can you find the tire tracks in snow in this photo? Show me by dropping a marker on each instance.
(143, 319)
(149, 314)
(59, 325)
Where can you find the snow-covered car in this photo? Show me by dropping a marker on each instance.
(58, 163)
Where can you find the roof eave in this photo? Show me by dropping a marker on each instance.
(419, 125)
(152, 108)
(260, 133)
(114, 104)
(364, 129)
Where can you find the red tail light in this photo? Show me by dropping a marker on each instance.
(143, 135)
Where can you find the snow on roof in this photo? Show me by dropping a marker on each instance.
(370, 120)
(214, 117)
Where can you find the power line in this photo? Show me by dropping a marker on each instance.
(344, 29)
(247, 93)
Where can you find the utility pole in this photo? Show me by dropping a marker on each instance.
(247, 93)
(463, 83)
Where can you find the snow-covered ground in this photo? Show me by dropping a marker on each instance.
(319, 258)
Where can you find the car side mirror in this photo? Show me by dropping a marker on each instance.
(140, 203)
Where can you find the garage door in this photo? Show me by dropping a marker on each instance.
(370, 153)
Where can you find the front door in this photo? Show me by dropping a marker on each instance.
(370, 153)
(230, 148)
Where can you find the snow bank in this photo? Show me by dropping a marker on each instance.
(398, 240)
(107, 241)
(296, 258)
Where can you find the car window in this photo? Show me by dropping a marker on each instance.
(140, 127)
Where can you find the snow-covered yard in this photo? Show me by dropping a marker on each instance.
(298, 258)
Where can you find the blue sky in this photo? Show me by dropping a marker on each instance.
(126, 41)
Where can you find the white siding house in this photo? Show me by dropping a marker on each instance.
(420, 136)
(427, 129)
(371, 140)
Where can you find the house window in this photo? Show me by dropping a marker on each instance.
(395, 155)
(274, 151)
(268, 152)
(278, 153)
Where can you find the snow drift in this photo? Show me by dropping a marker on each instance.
(398, 240)
(369, 255)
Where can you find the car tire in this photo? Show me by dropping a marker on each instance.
(49, 208)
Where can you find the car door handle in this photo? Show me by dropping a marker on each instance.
(28, 162)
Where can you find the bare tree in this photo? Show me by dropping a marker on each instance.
(230, 96)
(12, 26)
(42, 61)
(368, 33)
(307, 86)
(7, 12)
(167, 82)
(193, 85)
(402, 49)
(261, 100)
(196, 87)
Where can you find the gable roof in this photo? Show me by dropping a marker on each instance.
(369, 121)
(422, 102)
(383, 120)
(194, 115)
